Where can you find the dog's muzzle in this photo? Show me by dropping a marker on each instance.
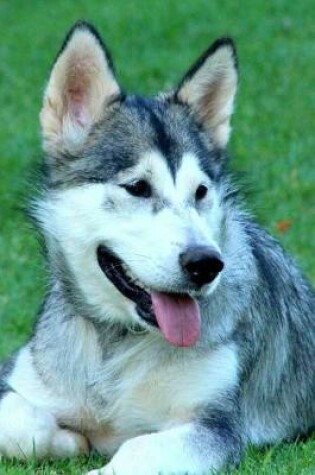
(177, 315)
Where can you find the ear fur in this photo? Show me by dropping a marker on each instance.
(209, 89)
(82, 81)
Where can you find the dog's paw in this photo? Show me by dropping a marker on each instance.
(27, 431)
(152, 454)
(130, 459)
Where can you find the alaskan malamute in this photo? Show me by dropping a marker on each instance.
(175, 330)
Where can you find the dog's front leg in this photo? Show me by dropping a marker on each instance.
(193, 448)
(28, 431)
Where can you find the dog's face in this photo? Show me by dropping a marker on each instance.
(133, 201)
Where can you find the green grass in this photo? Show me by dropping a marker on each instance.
(294, 459)
(153, 42)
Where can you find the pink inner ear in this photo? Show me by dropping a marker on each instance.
(76, 104)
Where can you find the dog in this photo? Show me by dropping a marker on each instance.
(175, 330)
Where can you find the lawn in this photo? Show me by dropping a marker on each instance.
(153, 42)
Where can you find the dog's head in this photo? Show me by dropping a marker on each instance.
(132, 202)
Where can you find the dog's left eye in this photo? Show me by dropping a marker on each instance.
(201, 192)
(141, 189)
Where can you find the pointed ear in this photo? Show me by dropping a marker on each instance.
(209, 89)
(82, 81)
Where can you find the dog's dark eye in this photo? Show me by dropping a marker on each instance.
(201, 192)
(140, 188)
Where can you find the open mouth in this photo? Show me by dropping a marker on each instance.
(118, 274)
(176, 315)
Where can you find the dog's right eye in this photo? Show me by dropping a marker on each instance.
(201, 192)
(141, 189)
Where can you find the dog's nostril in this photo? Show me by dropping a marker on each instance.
(202, 263)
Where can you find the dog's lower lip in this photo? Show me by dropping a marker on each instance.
(113, 268)
(148, 317)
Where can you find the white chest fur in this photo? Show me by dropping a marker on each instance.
(144, 390)
(138, 388)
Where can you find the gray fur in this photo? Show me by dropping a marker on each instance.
(5, 371)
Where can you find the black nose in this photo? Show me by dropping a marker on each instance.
(202, 263)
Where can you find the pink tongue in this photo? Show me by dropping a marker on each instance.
(178, 318)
